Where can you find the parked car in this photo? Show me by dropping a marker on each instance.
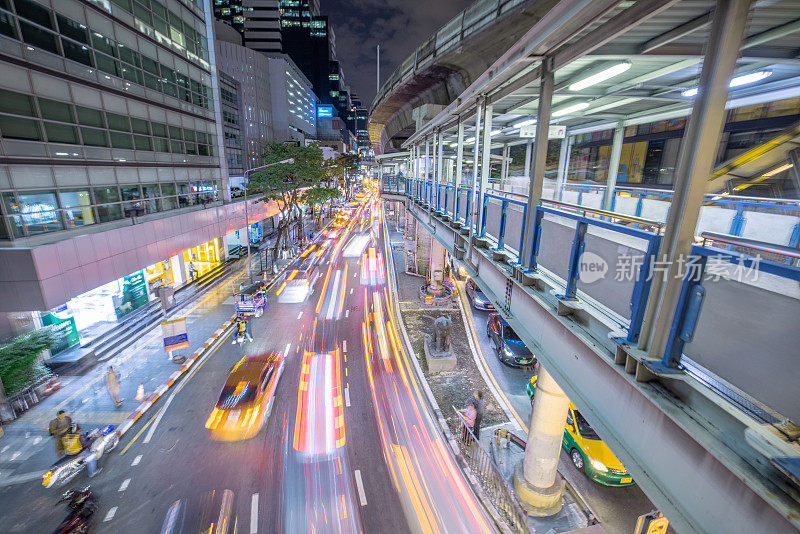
(478, 299)
(237, 191)
(587, 451)
(510, 348)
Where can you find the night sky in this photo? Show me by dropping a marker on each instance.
(398, 25)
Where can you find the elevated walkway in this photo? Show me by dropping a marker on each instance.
(710, 462)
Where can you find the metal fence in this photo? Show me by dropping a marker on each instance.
(494, 486)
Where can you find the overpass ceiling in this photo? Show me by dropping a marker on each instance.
(664, 50)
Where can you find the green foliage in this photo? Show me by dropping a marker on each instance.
(285, 182)
(19, 365)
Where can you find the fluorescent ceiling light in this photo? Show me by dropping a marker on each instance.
(470, 140)
(612, 105)
(601, 76)
(520, 124)
(744, 79)
(569, 109)
(494, 132)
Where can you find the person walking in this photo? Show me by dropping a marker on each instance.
(112, 382)
(192, 271)
(58, 429)
(477, 402)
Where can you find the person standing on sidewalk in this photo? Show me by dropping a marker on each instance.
(58, 429)
(112, 382)
(477, 402)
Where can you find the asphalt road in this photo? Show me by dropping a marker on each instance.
(349, 445)
(617, 508)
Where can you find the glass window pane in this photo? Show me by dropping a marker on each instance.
(161, 26)
(35, 12)
(72, 29)
(159, 129)
(191, 148)
(152, 82)
(142, 142)
(16, 128)
(131, 74)
(150, 66)
(7, 26)
(170, 201)
(168, 74)
(118, 122)
(61, 133)
(176, 147)
(106, 194)
(142, 13)
(15, 221)
(109, 212)
(203, 150)
(76, 52)
(39, 210)
(140, 126)
(175, 132)
(38, 37)
(159, 9)
(80, 201)
(201, 137)
(160, 145)
(104, 44)
(124, 4)
(188, 135)
(94, 137)
(106, 64)
(17, 103)
(170, 89)
(121, 140)
(151, 192)
(56, 111)
(167, 189)
(90, 117)
(128, 55)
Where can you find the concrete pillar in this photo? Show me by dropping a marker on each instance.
(695, 162)
(539, 156)
(536, 478)
(613, 165)
(436, 271)
(427, 165)
(563, 167)
(528, 147)
(486, 165)
(506, 165)
(440, 160)
(475, 156)
(460, 154)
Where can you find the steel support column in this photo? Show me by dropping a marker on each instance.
(539, 157)
(474, 185)
(695, 162)
(439, 161)
(613, 166)
(528, 150)
(563, 167)
(486, 162)
(504, 172)
(459, 156)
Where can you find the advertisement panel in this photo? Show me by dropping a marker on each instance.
(66, 333)
(174, 334)
(134, 294)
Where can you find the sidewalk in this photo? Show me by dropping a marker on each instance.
(26, 449)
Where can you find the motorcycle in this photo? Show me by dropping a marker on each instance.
(83, 506)
(101, 440)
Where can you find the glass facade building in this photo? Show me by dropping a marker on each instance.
(106, 112)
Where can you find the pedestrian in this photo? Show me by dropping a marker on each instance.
(58, 429)
(477, 402)
(192, 270)
(112, 382)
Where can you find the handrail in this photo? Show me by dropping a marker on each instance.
(610, 214)
(751, 243)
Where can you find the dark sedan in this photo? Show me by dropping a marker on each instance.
(510, 348)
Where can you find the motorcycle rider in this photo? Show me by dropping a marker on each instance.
(77, 444)
(241, 323)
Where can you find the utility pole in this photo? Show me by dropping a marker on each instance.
(378, 77)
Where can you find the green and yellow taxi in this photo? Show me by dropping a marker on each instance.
(587, 451)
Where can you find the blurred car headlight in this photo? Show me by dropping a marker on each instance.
(507, 352)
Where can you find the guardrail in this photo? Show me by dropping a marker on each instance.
(500, 493)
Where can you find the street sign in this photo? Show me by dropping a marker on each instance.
(174, 334)
(556, 131)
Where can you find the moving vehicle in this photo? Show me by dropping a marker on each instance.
(101, 440)
(510, 348)
(246, 398)
(457, 269)
(251, 301)
(587, 451)
(83, 506)
(299, 283)
(476, 296)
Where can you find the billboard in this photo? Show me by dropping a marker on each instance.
(324, 111)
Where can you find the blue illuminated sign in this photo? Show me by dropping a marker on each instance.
(324, 111)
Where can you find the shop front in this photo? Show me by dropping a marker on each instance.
(202, 258)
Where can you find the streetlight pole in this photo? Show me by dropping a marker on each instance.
(247, 213)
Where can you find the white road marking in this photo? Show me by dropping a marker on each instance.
(161, 413)
(254, 514)
(299, 315)
(347, 313)
(136, 460)
(110, 514)
(355, 275)
(15, 455)
(360, 485)
(347, 397)
(344, 345)
(37, 439)
(286, 350)
(351, 290)
(5, 448)
(124, 484)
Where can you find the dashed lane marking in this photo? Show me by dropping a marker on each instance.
(360, 485)
(124, 484)
(254, 514)
(110, 514)
(347, 397)
(136, 461)
(299, 315)
(344, 345)
(347, 313)
(286, 350)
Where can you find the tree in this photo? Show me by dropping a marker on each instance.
(289, 184)
(19, 360)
